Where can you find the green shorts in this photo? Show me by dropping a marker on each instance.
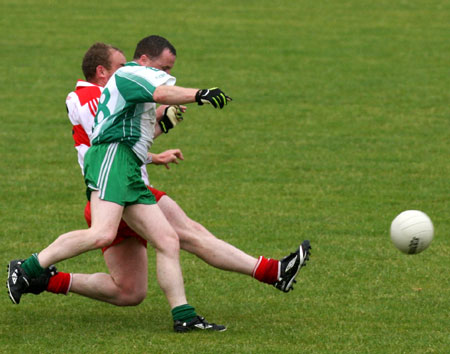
(114, 170)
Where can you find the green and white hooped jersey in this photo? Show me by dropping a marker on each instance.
(126, 110)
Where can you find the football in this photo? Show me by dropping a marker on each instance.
(412, 231)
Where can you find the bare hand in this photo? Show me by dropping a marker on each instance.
(167, 157)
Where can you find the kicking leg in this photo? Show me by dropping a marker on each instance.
(105, 221)
(196, 239)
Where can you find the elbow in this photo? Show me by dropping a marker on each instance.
(160, 95)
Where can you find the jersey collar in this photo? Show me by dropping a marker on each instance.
(81, 83)
(132, 63)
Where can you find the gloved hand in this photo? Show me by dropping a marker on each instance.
(172, 116)
(214, 96)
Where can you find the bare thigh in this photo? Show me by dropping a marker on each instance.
(150, 223)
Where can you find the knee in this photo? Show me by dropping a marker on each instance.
(172, 242)
(102, 238)
(132, 299)
(192, 234)
(168, 242)
(131, 295)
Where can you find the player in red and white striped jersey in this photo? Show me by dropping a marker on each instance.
(126, 257)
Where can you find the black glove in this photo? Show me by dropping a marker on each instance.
(172, 116)
(214, 96)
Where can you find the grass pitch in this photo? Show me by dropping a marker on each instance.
(340, 121)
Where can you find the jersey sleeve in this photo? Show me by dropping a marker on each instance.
(138, 85)
(71, 103)
(80, 126)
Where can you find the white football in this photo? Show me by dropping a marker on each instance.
(412, 231)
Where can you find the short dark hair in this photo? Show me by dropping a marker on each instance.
(98, 54)
(153, 46)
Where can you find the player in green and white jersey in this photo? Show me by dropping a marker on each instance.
(127, 110)
(122, 134)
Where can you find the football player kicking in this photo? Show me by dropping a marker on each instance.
(126, 257)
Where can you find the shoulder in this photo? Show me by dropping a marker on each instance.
(82, 103)
(134, 71)
(84, 92)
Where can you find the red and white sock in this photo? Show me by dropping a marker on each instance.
(60, 283)
(267, 270)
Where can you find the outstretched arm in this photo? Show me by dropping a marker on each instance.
(176, 95)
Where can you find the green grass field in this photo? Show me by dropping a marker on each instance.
(340, 121)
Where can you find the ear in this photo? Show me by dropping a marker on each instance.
(100, 71)
(143, 60)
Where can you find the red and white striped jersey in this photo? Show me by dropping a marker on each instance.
(81, 107)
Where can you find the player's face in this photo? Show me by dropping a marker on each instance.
(117, 61)
(164, 62)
